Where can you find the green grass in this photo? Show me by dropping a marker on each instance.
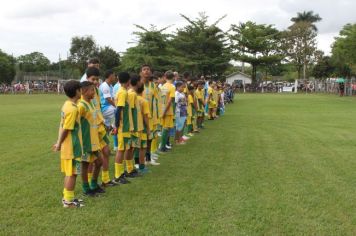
(274, 164)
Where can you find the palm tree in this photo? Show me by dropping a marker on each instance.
(307, 16)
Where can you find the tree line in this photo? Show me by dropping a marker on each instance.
(205, 49)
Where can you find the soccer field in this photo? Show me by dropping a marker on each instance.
(273, 164)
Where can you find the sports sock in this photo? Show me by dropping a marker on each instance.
(129, 166)
(119, 170)
(85, 187)
(68, 195)
(90, 176)
(105, 178)
(93, 183)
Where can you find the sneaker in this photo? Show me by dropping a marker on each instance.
(108, 184)
(155, 155)
(144, 171)
(154, 158)
(137, 166)
(72, 204)
(185, 137)
(153, 163)
(190, 135)
(121, 180)
(90, 193)
(132, 174)
(99, 190)
(168, 147)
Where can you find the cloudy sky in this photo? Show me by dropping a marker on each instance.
(47, 26)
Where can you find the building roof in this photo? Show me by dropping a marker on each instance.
(238, 72)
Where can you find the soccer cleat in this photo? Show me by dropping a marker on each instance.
(190, 135)
(168, 147)
(137, 166)
(121, 180)
(99, 190)
(90, 193)
(132, 174)
(74, 200)
(144, 171)
(108, 184)
(154, 155)
(154, 158)
(72, 204)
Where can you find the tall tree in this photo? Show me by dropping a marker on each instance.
(307, 16)
(33, 62)
(324, 68)
(256, 44)
(300, 45)
(344, 50)
(109, 58)
(7, 68)
(81, 50)
(201, 47)
(152, 47)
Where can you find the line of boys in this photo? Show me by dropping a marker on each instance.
(145, 107)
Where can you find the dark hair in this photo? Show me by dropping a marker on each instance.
(108, 73)
(71, 87)
(124, 77)
(140, 88)
(93, 61)
(210, 82)
(92, 71)
(169, 75)
(134, 79)
(86, 84)
(157, 74)
(190, 88)
(186, 75)
(179, 83)
(145, 65)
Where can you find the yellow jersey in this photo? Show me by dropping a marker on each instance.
(190, 105)
(71, 148)
(126, 123)
(143, 109)
(89, 124)
(168, 91)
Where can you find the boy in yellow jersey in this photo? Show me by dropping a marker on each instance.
(69, 143)
(103, 136)
(90, 135)
(123, 127)
(156, 120)
(199, 94)
(215, 99)
(135, 138)
(192, 107)
(167, 107)
(143, 129)
(210, 101)
(149, 94)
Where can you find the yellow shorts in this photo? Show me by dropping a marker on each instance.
(124, 140)
(167, 121)
(70, 167)
(139, 140)
(90, 156)
(189, 120)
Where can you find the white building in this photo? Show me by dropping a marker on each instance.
(239, 78)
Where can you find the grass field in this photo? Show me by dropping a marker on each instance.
(274, 165)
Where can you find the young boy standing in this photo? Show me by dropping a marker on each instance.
(123, 127)
(181, 111)
(90, 135)
(69, 143)
(168, 102)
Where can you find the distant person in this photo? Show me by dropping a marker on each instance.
(94, 62)
(341, 89)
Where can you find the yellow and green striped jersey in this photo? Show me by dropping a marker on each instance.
(126, 124)
(71, 148)
(168, 91)
(89, 123)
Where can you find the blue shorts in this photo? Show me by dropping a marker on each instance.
(180, 123)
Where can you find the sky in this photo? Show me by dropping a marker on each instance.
(48, 26)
